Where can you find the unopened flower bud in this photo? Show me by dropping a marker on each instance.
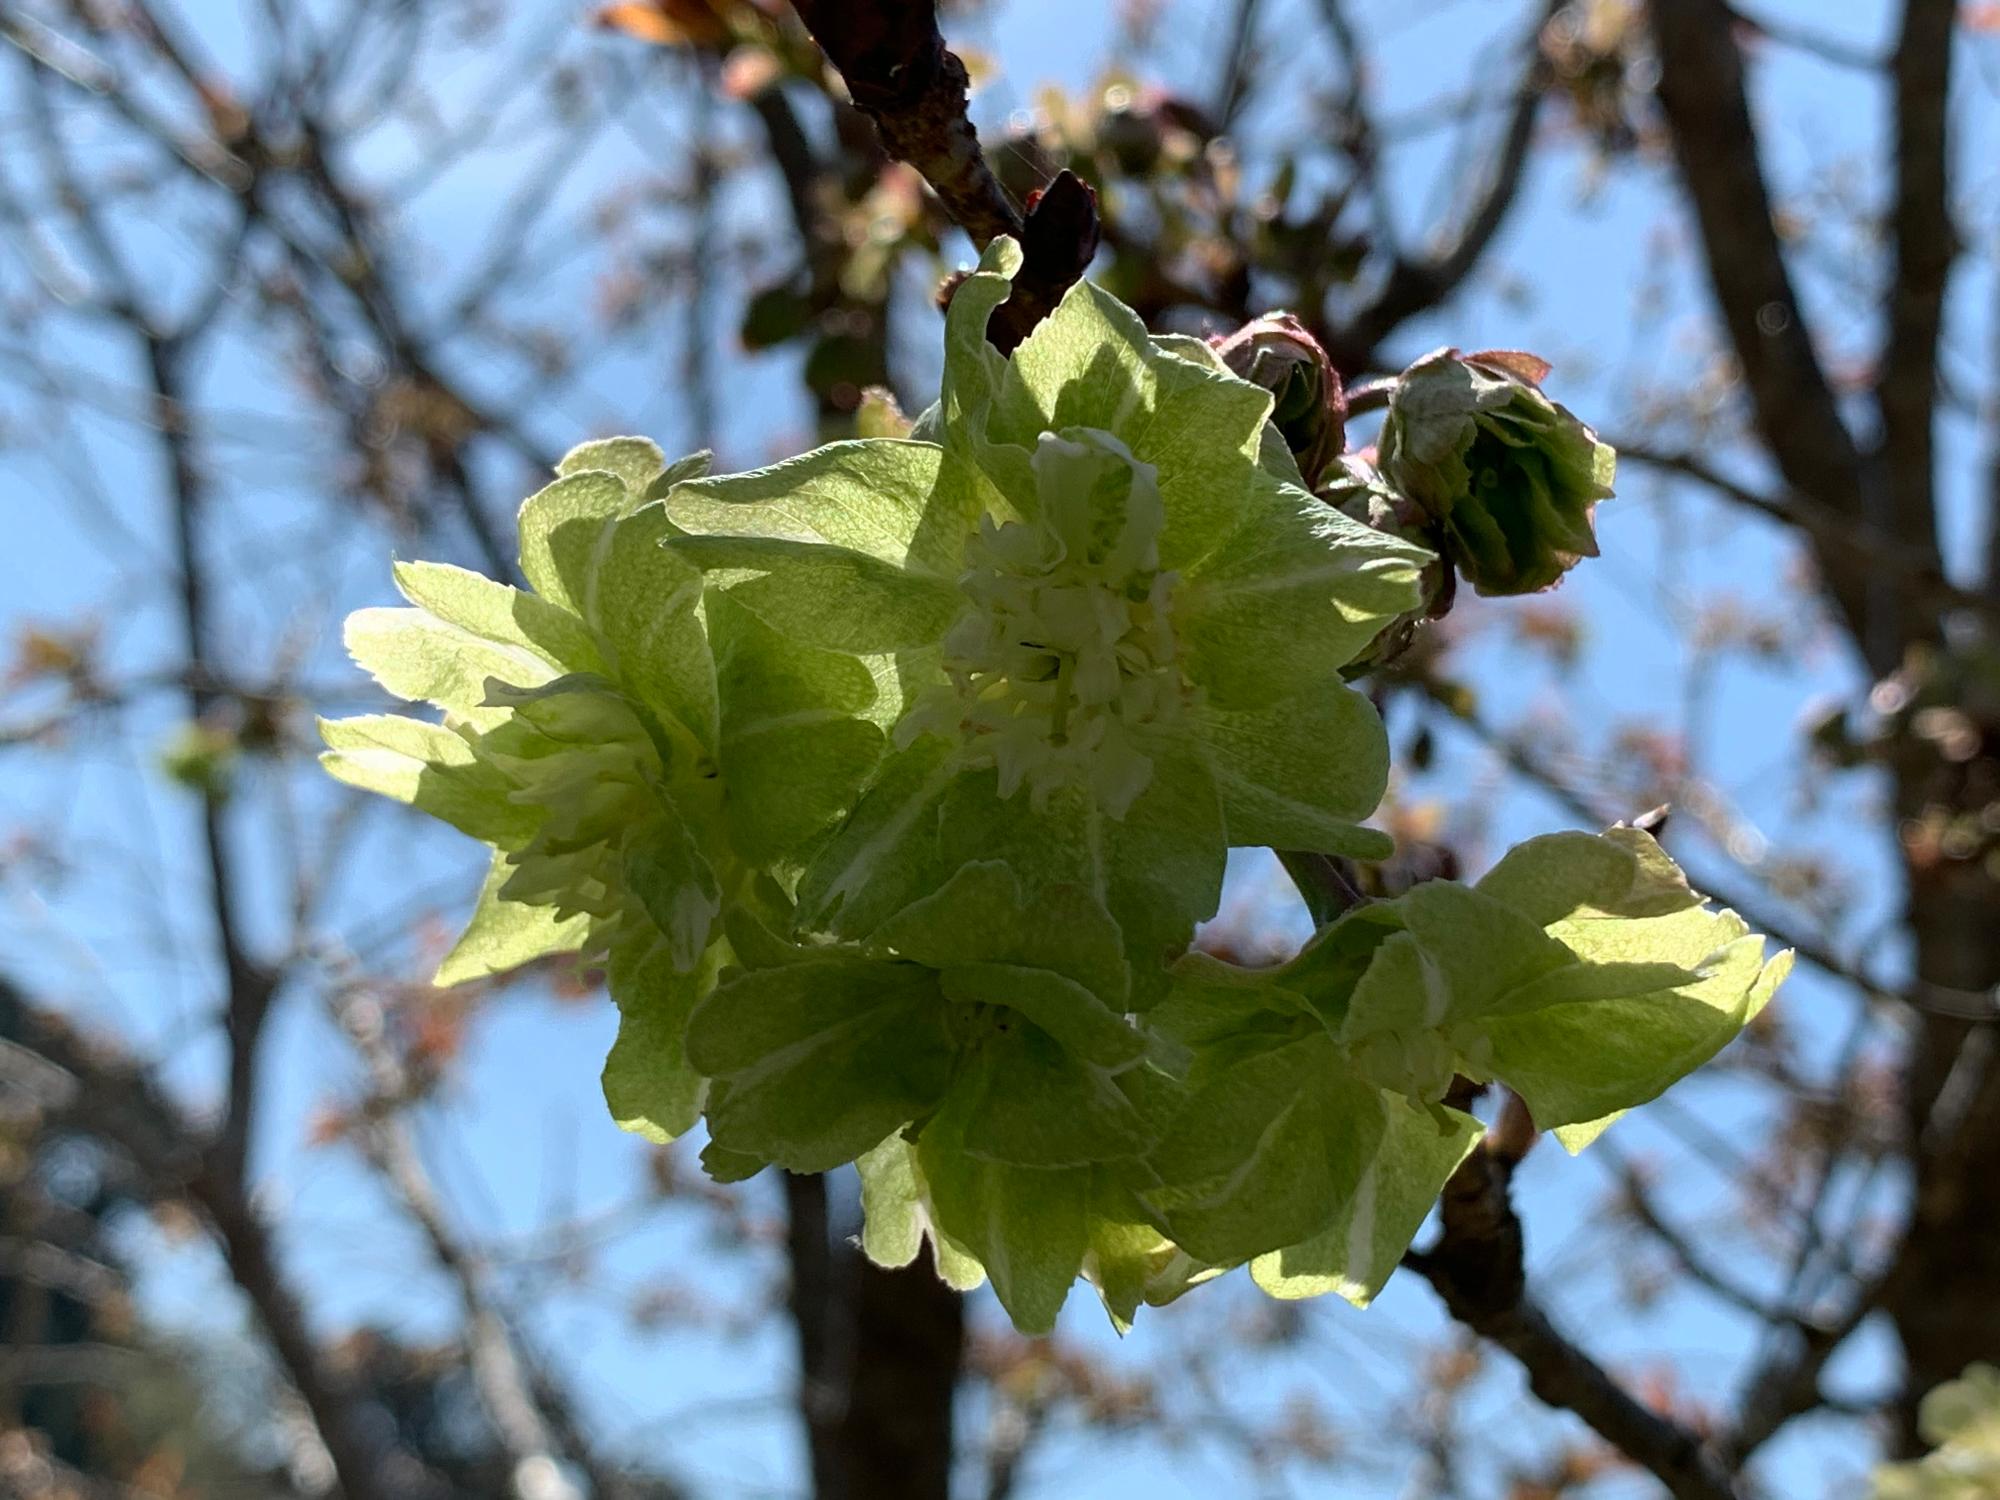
(1310, 411)
(1509, 477)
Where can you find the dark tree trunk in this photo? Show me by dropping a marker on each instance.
(879, 1359)
(1945, 1301)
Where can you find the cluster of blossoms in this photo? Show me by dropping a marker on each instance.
(889, 783)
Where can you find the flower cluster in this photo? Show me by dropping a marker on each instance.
(888, 784)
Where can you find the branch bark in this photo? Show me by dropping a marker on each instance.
(901, 75)
(1413, 286)
(1925, 246)
(1476, 1267)
(114, 1099)
(1701, 91)
(879, 1353)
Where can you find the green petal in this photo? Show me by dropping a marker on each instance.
(1083, 1025)
(1028, 1226)
(1158, 870)
(1575, 1063)
(973, 367)
(880, 497)
(1300, 773)
(892, 1203)
(495, 612)
(430, 768)
(794, 753)
(1127, 1255)
(503, 935)
(418, 657)
(830, 597)
(981, 917)
(1164, 863)
(885, 856)
(681, 471)
(1356, 1254)
(1296, 593)
(822, 1059)
(676, 885)
(1563, 876)
(1024, 1100)
(561, 527)
(1091, 363)
(1270, 1147)
(649, 1085)
(1480, 950)
(645, 600)
(637, 461)
(788, 783)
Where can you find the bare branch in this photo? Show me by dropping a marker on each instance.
(1858, 549)
(1926, 243)
(1826, 49)
(250, 984)
(117, 1101)
(900, 74)
(1693, 1263)
(1234, 85)
(1701, 92)
(1476, 1267)
(501, 1371)
(1412, 286)
(1786, 1384)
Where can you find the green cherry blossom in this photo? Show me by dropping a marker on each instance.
(632, 754)
(1114, 621)
(982, 1029)
(1581, 972)
(888, 783)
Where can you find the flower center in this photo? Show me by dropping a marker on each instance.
(581, 759)
(1066, 654)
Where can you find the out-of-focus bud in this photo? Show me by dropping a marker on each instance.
(1130, 128)
(1310, 411)
(1356, 488)
(201, 756)
(1509, 477)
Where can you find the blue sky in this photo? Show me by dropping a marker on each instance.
(521, 1139)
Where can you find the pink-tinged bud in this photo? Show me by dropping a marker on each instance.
(1309, 409)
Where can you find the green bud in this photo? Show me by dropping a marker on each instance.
(201, 756)
(1509, 477)
(1310, 410)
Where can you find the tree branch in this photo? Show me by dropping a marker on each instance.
(501, 1370)
(250, 984)
(1693, 1263)
(1476, 1267)
(1412, 286)
(1859, 550)
(1925, 246)
(116, 1100)
(879, 1355)
(1701, 92)
(901, 75)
